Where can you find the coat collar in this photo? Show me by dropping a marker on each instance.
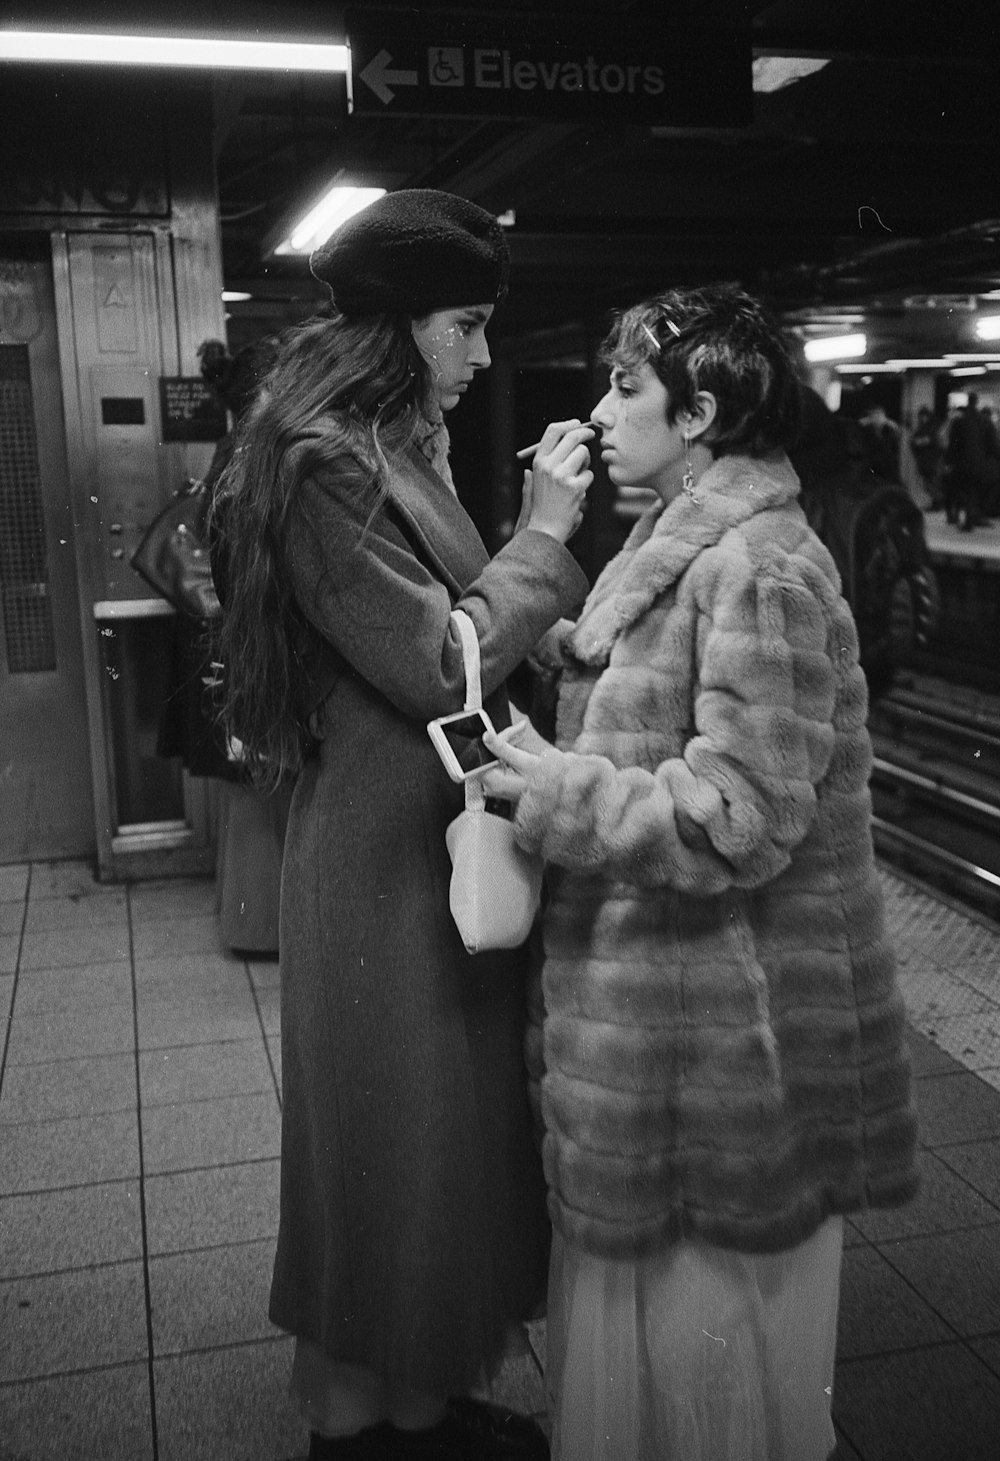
(444, 532)
(666, 540)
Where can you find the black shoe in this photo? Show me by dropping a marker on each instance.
(474, 1430)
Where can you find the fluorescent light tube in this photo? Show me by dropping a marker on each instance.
(134, 50)
(835, 347)
(988, 328)
(336, 205)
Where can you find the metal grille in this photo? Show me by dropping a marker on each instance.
(24, 569)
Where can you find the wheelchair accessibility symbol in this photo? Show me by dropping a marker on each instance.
(445, 66)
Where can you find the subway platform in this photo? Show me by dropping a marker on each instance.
(139, 1138)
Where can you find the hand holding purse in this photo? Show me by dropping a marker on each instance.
(495, 885)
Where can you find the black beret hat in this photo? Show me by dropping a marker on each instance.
(412, 252)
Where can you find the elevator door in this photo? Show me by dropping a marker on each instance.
(46, 798)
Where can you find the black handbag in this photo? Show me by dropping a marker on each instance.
(173, 555)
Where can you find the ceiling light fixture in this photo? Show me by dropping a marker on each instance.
(968, 370)
(835, 347)
(921, 363)
(146, 50)
(867, 369)
(235, 296)
(334, 208)
(988, 327)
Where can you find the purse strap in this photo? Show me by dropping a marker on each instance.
(475, 796)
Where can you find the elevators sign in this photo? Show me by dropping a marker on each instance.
(561, 68)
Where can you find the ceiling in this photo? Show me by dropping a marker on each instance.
(870, 188)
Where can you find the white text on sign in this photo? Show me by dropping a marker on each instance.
(495, 69)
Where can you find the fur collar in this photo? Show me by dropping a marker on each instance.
(666, 540)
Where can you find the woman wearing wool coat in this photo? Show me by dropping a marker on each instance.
(718, 1046)
(413, 1227)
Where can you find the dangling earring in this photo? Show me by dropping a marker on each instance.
(687, 481)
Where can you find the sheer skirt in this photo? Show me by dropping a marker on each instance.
(695, 1353)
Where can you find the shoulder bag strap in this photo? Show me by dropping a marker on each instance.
(475, 797)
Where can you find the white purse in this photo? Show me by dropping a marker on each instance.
(495, 885)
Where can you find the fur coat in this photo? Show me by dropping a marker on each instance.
(719, 1033)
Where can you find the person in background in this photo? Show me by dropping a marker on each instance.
(718, 1038)
(884, 439)
(413, 1232)
(973, 461)
(928, 453)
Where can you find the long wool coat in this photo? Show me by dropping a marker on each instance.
(413, 1226)
(722, 1041)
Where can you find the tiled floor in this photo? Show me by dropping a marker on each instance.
(139, 1183)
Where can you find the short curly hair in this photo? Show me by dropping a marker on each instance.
(719, 339)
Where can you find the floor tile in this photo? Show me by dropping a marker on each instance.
(72, 878)
(205, 1070)
(228, 1405)
(95, 944)
(200, 1021)
(956, 1274)
(172, 898)
(69, 1321)
(110, 910)
(971, 1039)
(10, 943)
(879, 1312)
(35, 1156)
(983, 975)
(978, 1162)
(269, 1007)
(80, 1226)
(274, 1051)
(927, 1057)
(931, 991)
(954, 1108)
(100, 1415)
(45, 991)
(13, 882)
(189, 973)
(11, 919)
(944, 1202)
(211, 1133)
(934, 1404)
(211, 1208)
(161, 938)
(264, 973)
(57, 1089)
(71, 1034)
(211, 1298)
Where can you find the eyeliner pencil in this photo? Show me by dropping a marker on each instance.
(529, 451)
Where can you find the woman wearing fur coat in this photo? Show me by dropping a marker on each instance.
(718, 1041)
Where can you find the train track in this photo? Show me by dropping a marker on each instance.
(936, 786)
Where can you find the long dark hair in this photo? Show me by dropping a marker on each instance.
(342, 393)
(718, 339)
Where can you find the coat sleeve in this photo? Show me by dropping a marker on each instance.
(362, 585)
(778, 682)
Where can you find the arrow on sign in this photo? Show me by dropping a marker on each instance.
(381, 79)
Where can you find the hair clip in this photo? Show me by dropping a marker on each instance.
(655, 342)
(672, 327)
